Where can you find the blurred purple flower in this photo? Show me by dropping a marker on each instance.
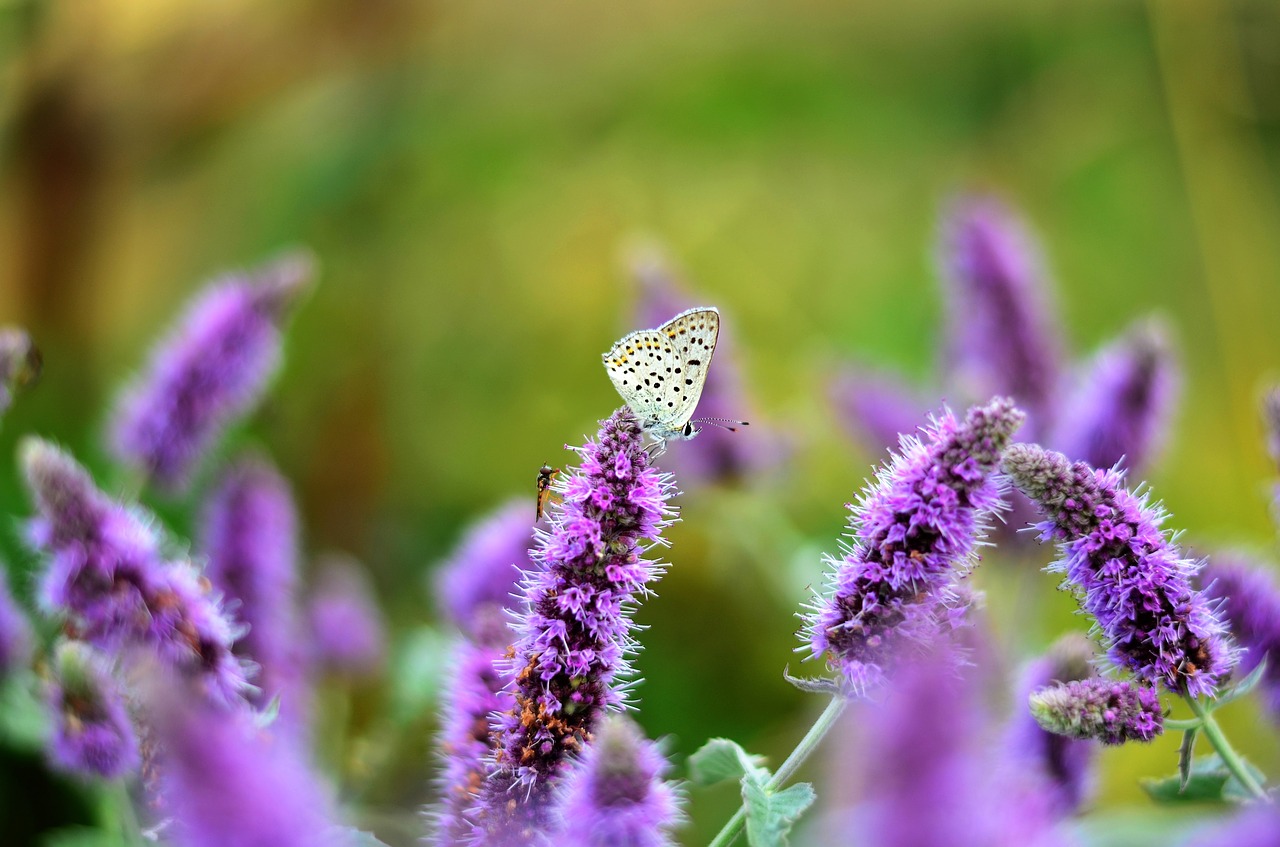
(575, 634)
(347, 635)
(476, 589)
(913, 533)
(616, 796)
(225, 782)
(209, 372)
(92, 734)
(1001, 338)
(249, 536)
(1062, 766)
(1123, 407)
(19, 364)
(482, 576)
(107, 574)
(876, 409)
(721, 455)
(1105, 710)
(15, 630)
(1252, 826)
(1250, 603)
(926, 779)
(1126, 572)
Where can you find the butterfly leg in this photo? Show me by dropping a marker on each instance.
(657, 448)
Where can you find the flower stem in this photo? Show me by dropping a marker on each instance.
(788, 768)
(1229, 756)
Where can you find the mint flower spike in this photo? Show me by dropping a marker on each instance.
(19, 364)
(107, 574)
(1106, 710)
(1126, 572)
(1124, 405)
(570, 663)
(208, 372)
(1000, 335)
(93, 736)
(249, 536)
(914, 533)
(476, 592)
(616, 794)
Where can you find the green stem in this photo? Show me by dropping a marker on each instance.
(797, 758)
(126, 817)
(1229, 756)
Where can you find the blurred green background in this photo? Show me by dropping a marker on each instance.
(471, 175)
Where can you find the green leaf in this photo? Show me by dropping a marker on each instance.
(24, 721)
(1235, 792)
(1209, 781)
(1242, 688)
(719, 760)
(770, 814)
(81, 836)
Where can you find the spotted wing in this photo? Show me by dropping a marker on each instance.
(660, 372)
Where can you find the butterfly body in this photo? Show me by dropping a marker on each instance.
(660, 372)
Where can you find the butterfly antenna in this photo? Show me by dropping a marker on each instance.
(724, 423)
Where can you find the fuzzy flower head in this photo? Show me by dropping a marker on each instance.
(913, 533)
(92, 734)
(249, 536)
(19, 364)
(571, 656)
(226, 782)
(1123, 407)
(209, 372)
(1063, 766)
(347, 633)
(480, 579)
(1001, 338)
(1102, 709)
(107, 574)
(616, 794)
(1126, 572)
(1250, 603)
(15, 630)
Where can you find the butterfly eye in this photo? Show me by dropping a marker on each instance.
(687, 430)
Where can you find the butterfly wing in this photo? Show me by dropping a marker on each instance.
(660, 372)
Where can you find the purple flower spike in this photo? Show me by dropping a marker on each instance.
(1122, 409)
(476, 589)
(209, 372)
(346, 624)
(107, 574)
(225, 782)
(876, 409)
(92, 734)
(914, 532)
(250, 539)
(616, 795)
(571, 654)
(721, 455)
(1126, 572)
(1103, 709)
(481, 577)
(1001, 339)
(1063, 766)
(19, 364)
(15, 631)
(1250, 602)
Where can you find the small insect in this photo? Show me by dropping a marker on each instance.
(545, 476)
(660, 373)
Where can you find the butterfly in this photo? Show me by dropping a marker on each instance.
(545, 476)
(660, 373)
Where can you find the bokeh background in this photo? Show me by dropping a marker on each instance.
(472, 177)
